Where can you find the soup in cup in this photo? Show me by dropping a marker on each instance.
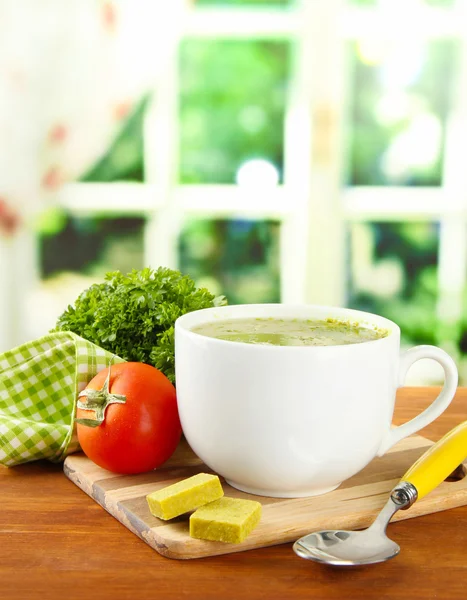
(290, 401)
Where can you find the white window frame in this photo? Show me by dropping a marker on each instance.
(312, 206)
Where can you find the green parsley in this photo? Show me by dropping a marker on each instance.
(133, 315)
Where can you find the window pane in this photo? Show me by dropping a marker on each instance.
(93, 246)
(123, 161)
(400, 96)
(393, 272)
(237, 258)
(232, 107)
(74, 253)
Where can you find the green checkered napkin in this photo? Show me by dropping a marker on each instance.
(39, 385)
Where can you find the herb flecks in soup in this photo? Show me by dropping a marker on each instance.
(290, 332)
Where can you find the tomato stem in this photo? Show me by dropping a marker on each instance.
(98, 401)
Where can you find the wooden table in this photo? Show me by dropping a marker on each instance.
(56, 542)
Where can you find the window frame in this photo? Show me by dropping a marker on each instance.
(311, 204)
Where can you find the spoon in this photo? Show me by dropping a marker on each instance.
(354, 548)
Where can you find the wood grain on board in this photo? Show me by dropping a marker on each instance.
(353, 505)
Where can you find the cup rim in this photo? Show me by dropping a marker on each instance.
(205, 315)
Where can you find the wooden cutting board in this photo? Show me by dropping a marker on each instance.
(352, 506)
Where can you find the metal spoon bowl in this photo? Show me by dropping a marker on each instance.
(351, 548)
(345, 548)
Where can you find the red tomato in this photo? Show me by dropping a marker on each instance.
(139, 434)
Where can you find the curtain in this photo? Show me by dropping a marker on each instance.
(70, 72)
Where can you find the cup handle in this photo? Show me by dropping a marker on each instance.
(439, 405)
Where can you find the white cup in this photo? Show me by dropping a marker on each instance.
(289, 421)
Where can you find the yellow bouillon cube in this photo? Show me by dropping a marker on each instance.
(225, 520)
(184, 496)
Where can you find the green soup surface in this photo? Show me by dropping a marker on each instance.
(290, 332)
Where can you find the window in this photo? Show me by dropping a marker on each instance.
(314, 142)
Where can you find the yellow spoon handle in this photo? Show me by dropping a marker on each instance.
(439, 461)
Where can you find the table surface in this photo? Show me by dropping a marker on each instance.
(56, 542)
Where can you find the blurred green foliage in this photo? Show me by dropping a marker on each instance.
(232, 103)
(238, 258)
(123, 160)
(413, 306)
(413, 246)
(93, 246)
(371, 135)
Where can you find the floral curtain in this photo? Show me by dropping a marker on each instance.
(70, 72)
